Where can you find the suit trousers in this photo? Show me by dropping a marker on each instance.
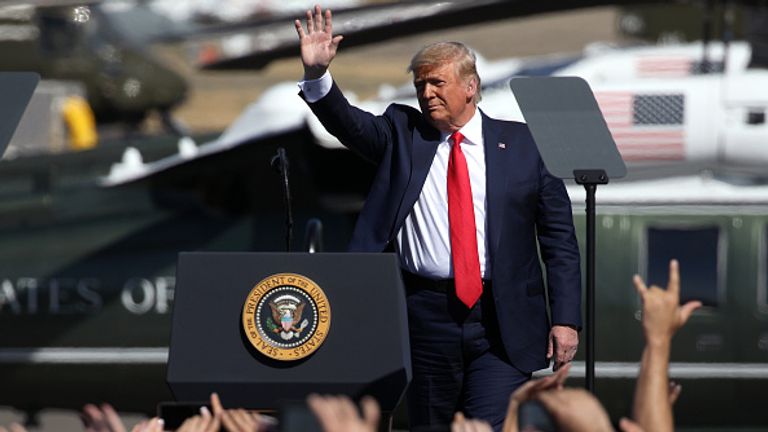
(458, 360)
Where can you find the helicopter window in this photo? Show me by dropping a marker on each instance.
(756, 116)
(697, 251)
(58, 35)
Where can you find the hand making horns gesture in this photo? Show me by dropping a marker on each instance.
(318, 45)
(662, 314)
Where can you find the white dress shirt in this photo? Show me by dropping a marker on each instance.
(423, 242)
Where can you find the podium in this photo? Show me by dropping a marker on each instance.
(241, 327)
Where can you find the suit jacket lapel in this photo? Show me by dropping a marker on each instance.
(496, 169)
(425, 142)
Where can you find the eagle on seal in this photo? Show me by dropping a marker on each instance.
(287, 317)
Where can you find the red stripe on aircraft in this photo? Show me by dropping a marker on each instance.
(663, 66)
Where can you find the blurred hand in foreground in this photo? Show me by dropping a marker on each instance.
(13, 427)
(154, 424)
(575, 410)
(339, 414)
(462, 424)
(529, 391)
(102, 418)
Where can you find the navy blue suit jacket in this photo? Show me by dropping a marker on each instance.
(524, 203)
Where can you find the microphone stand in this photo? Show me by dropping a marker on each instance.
(280, 163)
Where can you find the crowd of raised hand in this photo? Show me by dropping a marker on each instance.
(568, 409)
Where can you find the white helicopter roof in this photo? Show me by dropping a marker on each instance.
(654, 61)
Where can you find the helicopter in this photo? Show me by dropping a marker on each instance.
(83, 43)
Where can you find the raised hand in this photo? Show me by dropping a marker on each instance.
(101, 419)
(529, 391)
(576, 410)
(662, 314)
(318, 45)
(237, 420)
(200, 423)
(339, 414)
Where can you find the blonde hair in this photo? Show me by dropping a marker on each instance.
(440, 53)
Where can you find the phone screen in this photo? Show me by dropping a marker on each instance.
(174, 413)
(297, 417)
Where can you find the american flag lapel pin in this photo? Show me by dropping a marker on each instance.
(502, 146)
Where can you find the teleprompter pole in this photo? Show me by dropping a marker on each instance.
(590, 179)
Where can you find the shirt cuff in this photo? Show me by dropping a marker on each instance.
(316, 89)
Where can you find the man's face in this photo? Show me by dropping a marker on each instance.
(445, 99)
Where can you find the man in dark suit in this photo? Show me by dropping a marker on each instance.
(464, 200)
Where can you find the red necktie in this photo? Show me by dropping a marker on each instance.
(461, 219)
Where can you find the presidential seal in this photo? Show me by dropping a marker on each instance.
(286, 316)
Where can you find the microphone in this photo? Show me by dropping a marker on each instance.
(280, 163)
